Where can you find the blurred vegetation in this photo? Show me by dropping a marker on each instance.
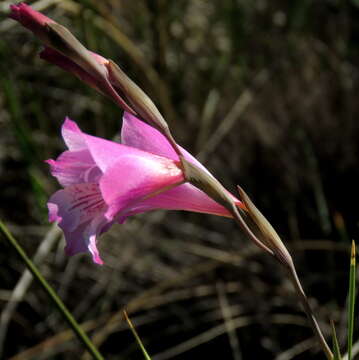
(265, 92)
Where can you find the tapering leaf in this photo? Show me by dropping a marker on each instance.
(336, 349)
(51, 293)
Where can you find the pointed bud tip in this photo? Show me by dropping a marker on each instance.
(271, 237)
(27, 16)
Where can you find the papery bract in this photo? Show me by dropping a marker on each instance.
(105, 182)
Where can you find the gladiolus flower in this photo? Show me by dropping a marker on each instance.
(105, 182)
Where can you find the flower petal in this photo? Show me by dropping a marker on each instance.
(94, 229)
(72, 135)
(184, 197)
(106, 153)
(75, 205)
(75, 240)
(84, 238)
(140, 135)
(79, 210)
(74, 167)
(132, 178)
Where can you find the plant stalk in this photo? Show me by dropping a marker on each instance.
(79, 332)
(289, 266)
(308, 310)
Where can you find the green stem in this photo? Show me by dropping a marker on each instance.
(52, 294)
(336, 349)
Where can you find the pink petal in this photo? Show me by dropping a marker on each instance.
(183, 197)
(142, 136)
(84, 239)
(74, 167)
(75, 205)
(106, 153)
(94, 229)
(133, 177)
(79, 211)
(72, 135)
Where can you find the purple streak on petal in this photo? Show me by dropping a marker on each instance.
(79, 210)
(75, 205)
(74, 167)
(134, 177)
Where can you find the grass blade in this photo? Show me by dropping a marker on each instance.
(351, 302)
(52, 294)
(336, 349)
(134, 332)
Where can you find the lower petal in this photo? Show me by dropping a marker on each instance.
(75, 205)
(75, 241)
(183, 197)
(84, 238)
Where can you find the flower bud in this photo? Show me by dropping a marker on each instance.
(138, 99)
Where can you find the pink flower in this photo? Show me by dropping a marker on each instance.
(105, 182)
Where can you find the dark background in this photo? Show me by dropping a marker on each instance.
(265, 92)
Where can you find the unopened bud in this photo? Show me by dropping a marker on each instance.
(66, 43)
(137, 98)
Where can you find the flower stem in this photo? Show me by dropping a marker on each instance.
(308, 310)
(52, 294)
(287, 262)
